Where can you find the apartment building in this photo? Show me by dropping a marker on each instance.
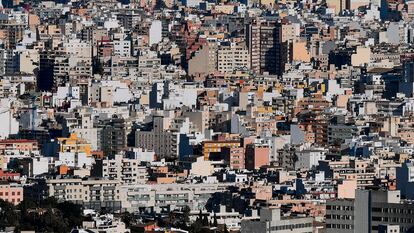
(113, 136)
(271, 221)
(212, 149)
(92, 193)
(346, 169)
(232, 56)
(268, 53)
(235, 157)
(169, 196)
(309, 158)
(9, 62)
(368, 211)
(11, 192)
(11, 33)
(405, 180)
(74, 144)
(128, 171)
(163, 141)
(257, 156)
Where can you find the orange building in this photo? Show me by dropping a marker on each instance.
(74, 144)
(210, 147)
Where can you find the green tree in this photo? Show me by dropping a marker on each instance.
(215, 220)
(128, 218)
(71, 213)
(8, 215)
(225, 229)
(205, 221)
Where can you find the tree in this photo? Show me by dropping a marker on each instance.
(127, 218)
(200, 216)
(196, 227)
(225, 229)
(71, 212)
(186, 214)
(215, 220)
(205, 221)
(8, 215)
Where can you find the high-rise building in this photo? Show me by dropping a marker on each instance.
(405, 180)
(231, 57)
(11, 33)
(164, 142)
(368, 211)
(113, 136)
(268, 53)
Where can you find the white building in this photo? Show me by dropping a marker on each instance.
(72, 159)
(155, 32)
(123, 169)
(309, 158)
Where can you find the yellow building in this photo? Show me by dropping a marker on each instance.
(216, 146)
(74, 144)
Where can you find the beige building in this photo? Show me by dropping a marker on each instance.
(290, 32)
(92, 193)
(203, 61)
(232, 57)
(127, 171)
(28, 60)
(361, 57)
(201, 167)
(337, 5)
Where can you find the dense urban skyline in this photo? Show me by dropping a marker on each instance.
(246, 116)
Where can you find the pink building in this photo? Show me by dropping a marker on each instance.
(347, 189)
(12, 193)
(19, 144)
(234, 156)
(9, 176)
(256, 156)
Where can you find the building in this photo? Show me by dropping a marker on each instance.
(234, 156)
(271, 220)
(164, 142)
(113, 136)
(11, 33)
(169, 196)
(155, 32)
(92, 193)
(212, 149)
(9, 176)
(126, 170)
(231, 57)
(74, 144)
(308, 159)
(368, 211)
(11, 192)
(405, 180)
(257, 156)
(268, 54)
